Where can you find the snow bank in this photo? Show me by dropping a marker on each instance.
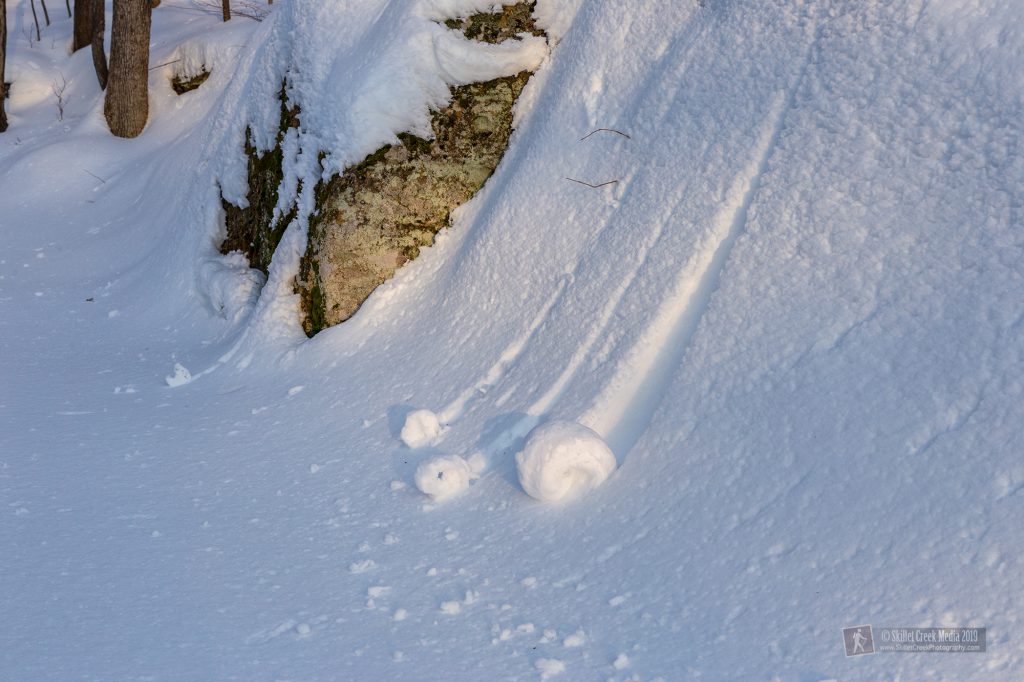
(228, 285)
(562, 460)
(444, 476)
(421, 428)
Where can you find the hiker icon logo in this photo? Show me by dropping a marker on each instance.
(858, 640)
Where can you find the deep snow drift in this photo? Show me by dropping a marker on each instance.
(794, 315)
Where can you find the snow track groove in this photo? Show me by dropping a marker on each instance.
(457, 408)
(623, 410)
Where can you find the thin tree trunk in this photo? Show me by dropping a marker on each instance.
(3, 60)
(68, 3)
(226, 9)
(99, 56)
(126, 106)
(83, 25)
(46, 13)
(35, 18)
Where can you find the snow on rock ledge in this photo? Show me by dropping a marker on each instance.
(562, 460)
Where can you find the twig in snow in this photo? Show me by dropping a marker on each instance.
(610, 182)
(58, 92)
(94, 175)
(164, 64)
(606, 130)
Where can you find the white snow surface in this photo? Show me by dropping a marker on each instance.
(562, 460)
(796, 317)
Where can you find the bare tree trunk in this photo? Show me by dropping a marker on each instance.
(83, 25)
(226, 9)
(3, 60)
(46, 13)
(68, 3)
(126, 106)
(35, 18)
(99, 56)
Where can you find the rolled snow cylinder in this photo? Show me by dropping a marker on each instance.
(444, 476)
(562, 460)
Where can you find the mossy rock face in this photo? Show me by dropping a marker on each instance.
(375, 216)
(253, 230)
(182, 84)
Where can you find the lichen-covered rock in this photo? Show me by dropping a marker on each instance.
(375, 216)
(499, 26)
(181, 83)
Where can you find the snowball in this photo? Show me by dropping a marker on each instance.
(562, 460)
(421, 428)
(180, 377)
(576, 639)
(549, 667)
(444, 476)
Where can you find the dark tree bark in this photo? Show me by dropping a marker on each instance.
(226, 9)
(68, 3)
(83, 25)
(126, 106)
(3, 60)
(35, 18)
(46, 12)
(99, 56)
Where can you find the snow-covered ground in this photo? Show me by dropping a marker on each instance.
(796, 320)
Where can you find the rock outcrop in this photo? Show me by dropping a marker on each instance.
(375, 216)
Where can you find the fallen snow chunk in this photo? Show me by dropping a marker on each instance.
(400, 615)
(302, 629)
(577, 638)
(621, 661)
(529, 582)
(378, 591)
(396, 486)
(616, 600)
(295, 390)
(562, 460)
(421, 428)
(549, 667)
(477, 463)
(362, 566)
(451, 608)
(444, 476)
(180, 377)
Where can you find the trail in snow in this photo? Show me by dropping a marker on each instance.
(622, 411)
(454, 411)
(626, 405)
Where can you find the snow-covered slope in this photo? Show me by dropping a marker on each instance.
(796, 318)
